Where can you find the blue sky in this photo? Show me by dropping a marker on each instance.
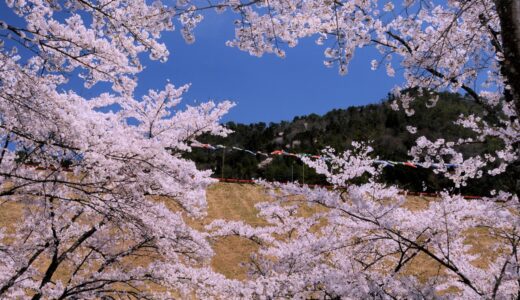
(267, 89)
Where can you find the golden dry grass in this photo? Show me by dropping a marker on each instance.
(231, 201)
(236, 202)
(10, 213)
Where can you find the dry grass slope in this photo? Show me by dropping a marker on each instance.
(233, 201)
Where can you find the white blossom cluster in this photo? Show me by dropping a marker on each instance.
(103, 189)
(365, 241)
(100, 182)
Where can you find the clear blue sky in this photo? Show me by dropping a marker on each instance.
(267, 89)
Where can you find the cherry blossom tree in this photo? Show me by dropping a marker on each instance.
(105, 194)
(103, 189)
(463, 46)
(365, 240)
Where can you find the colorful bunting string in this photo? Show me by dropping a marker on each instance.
(385, 163)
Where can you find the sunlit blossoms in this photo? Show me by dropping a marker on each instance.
(100, 185)
(103, 192)
(457, 45)
(368, 241)
(364, 239)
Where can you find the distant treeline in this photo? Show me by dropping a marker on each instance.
(378, 124)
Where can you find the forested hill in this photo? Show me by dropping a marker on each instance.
(378, 123)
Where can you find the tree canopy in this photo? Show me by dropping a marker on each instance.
(112, 222)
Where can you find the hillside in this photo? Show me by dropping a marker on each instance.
(236, 202)
(378, 124)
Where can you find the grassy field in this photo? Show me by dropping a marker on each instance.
(233, 201)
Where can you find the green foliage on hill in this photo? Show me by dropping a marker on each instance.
(378, 124)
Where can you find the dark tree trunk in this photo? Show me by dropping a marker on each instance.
(509, 14)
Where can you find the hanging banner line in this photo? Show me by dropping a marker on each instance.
(385, 163)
